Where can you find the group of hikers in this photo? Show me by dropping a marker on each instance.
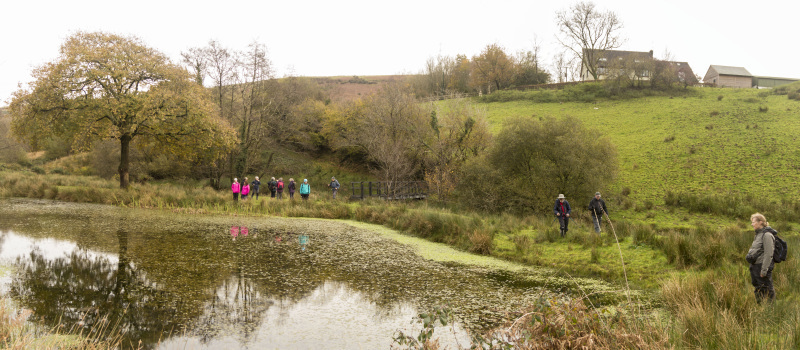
(276, 188)
(562, 210)
(766, 250)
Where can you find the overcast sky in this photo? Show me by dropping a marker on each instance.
(344, 37)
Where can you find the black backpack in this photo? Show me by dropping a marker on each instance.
(779, 255)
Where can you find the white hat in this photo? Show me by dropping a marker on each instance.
(561, 196)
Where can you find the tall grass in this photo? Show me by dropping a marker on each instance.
(736, 205)
(717, 309)
(17, 333)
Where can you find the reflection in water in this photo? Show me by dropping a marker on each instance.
(62, 282)
(303, 242)
(314, 320)
(173, 281)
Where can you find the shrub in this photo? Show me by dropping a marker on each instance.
(590, 164)
(720, 97)
(481, 242)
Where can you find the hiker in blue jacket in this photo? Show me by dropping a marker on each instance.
(562, 211)
(760, 258)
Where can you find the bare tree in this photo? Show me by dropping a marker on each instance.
(394, 122)
(588, 33)
(221, 65)
(195, 59)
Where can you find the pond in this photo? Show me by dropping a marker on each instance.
(181, 280)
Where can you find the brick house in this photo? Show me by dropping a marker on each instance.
(726, 76)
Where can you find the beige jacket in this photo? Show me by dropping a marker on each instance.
(762, 249)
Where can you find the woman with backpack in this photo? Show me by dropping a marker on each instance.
(305, 189)
(280, 188)
(760, 257)
(292, 187)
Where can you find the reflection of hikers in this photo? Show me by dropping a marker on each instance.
(279, 187)
(760, 257)
(562, 211)
(597, 207)
(292, 187)
(305, 189)
(273, 187)
(334, 185)
(255, 185)
(235, 189)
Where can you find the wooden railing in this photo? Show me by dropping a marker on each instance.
(389, 190)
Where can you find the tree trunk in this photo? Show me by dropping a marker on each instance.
(124, 161)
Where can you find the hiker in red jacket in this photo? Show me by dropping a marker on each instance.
(562, 210)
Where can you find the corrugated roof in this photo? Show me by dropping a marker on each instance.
(728, 70)
(776, 78)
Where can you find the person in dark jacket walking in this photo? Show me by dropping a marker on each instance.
(562, 211)
(292, 187)
(597, 207)
(760, 258)
(254, 187)
(273, 187)
(334, 185)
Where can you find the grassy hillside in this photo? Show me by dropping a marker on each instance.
(714, 141)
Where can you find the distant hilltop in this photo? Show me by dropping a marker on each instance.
(344, 88)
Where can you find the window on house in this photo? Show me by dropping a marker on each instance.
(601, 70)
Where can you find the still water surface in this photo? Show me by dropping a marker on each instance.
(174, 280)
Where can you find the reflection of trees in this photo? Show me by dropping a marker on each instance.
(82, 289)
(187, 276)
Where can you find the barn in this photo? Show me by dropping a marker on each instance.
(726, 76)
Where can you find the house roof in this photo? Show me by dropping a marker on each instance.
(728, 70)
(612, 54)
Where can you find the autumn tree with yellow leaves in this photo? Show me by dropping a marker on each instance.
(106, 86)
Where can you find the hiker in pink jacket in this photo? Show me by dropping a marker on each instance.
(235, 188)
(245, 189)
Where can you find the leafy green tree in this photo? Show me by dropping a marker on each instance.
(106, 86)
(528, 69)
(459, 131)
(533, 160)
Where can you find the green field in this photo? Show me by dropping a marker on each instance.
(746, 142)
